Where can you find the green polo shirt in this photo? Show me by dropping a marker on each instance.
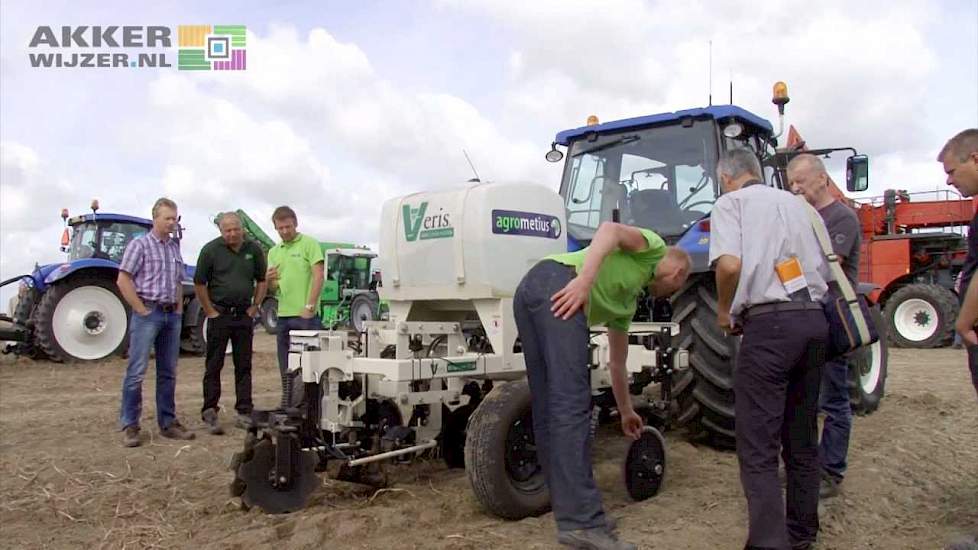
(230, 276)
(623, 274)
(294, 261)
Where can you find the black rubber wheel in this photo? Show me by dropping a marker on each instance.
(269, 315)
(363, 305)
(24, 314)
(867, 371)
(705, 390)
(921, 316)
(500, 454)
(645, 465)
(82, 318)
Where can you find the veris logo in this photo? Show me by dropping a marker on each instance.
(419, 225)
(205, 48)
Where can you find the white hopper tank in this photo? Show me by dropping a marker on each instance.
(470, 243)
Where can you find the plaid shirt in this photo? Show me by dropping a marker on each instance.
(156, 268)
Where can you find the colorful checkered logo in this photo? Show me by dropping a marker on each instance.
(206, 48)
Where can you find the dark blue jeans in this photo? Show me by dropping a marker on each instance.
(162, 330)
(973, 365)
(556, 355)
(285, 324)
(834, 402)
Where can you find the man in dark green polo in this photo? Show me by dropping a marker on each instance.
(230, 283)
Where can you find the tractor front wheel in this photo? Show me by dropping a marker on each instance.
(363, 308)
(82, 318)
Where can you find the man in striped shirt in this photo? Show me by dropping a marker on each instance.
(150, 279)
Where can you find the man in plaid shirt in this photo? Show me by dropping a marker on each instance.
(150, 279)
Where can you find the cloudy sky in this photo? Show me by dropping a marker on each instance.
(345, 104)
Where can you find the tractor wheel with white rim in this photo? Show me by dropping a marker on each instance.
(921, 316)
(867, 371)
(83, 318)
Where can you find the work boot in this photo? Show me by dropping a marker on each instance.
(829, 486)
(597, 538)
(177, 431)
(213, 426)
(130, 436)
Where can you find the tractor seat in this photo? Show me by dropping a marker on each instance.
(655, 209)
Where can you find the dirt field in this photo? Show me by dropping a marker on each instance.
(68, 483)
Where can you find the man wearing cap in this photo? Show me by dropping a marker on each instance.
(770, 277)
(229, 283)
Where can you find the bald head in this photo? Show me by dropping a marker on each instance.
(807, 177)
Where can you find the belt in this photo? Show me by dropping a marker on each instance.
(231, 310)
(774, 307)
(164, 306)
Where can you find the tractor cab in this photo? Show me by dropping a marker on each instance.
(103, 236)
(657, 171)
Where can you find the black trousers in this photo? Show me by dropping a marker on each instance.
(238, 329)
(973, 365)
(556, 355)
(776, 384)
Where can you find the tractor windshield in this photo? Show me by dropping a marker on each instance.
(106, 240)
(660, 178)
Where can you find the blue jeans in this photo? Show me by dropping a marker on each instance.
(285, 324)
(556, 355)
(834, 402)
(162, 330)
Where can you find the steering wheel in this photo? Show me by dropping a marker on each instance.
(690, 206)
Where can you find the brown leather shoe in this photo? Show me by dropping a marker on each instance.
(177, 431)
(130, 436)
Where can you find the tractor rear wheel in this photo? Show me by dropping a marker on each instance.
(500, 454)
(867, 371)
(364, 307)
(82, 318)
(921, 316)
(705, 390)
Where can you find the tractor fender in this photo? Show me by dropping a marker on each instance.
(64, 270)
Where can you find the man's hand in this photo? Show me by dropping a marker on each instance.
(726, 324)
(631, 424)
(252, 311)
(307, 313)
(968, 335)
(143, 312)
(271, 276)
(212, 314)
(568, 300)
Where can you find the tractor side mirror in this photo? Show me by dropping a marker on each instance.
(857, 173)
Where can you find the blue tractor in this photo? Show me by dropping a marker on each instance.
(73, 311)
(659, 172)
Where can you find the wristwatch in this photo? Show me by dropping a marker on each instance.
(310, 307)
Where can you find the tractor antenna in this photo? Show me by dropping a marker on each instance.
(476, 179)
(710, 91)
(731, 86)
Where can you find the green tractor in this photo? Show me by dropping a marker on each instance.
(349, 296)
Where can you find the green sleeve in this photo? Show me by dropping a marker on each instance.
(273, 254)
(651, 255)
(620, 324)
(314, 253)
